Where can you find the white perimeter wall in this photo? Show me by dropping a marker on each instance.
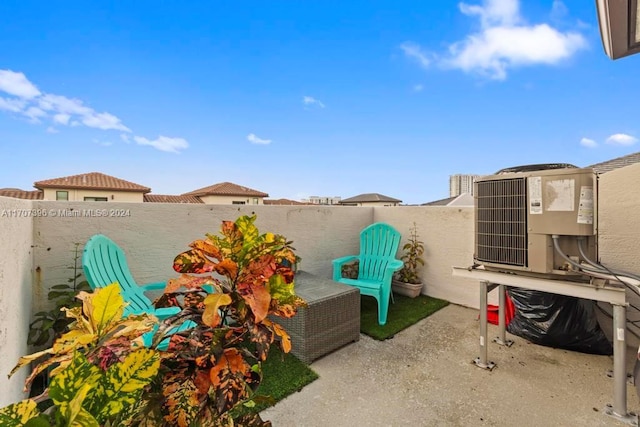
(37, 252)
(619, 218)
(154, 233)
(447, 233)
(16, 235)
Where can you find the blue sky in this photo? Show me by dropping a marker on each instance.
(306, 98)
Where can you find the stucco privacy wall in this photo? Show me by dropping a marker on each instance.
(16, 234)
(152, 234)
(619, 238)
(619, 218)
(447, 233)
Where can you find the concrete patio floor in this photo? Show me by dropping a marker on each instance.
(424, 376)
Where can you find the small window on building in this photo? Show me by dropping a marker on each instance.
(95, 199)
(62, 195)
(255, 200)
(237, 202)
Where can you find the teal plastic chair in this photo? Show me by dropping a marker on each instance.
(104, 262)
(377, 262)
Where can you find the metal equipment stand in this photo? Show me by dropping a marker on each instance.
(616, 296)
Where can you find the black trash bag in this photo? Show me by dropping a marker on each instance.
(557, 321)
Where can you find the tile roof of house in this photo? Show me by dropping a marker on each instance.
(21, 194)
(283, 202)
(226, 189)
(164, 198)
(368, 198)
(441, 202)
(463, 199)
(92, 181)
(616, 163)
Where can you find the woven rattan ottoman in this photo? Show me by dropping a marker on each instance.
(331, 320)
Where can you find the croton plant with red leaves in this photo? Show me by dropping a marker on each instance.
(230, 289)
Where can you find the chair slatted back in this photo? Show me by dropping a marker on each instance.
(378, 246)
(104, 262)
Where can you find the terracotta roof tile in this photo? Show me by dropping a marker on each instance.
(163, 198)
(368, 198)
(226, 189)
(92, 181)
(21, 194)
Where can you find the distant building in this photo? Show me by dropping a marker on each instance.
(91, 187)
(283, 202)
(316, 200)
(228, 193)
(16, 193)
(370, 199)
(459, 184)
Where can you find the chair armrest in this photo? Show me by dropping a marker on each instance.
(392, 267)
(156, 286)
(395, 265)
(165, 312)
(339, 262)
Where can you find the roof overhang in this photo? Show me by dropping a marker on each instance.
(619, 27)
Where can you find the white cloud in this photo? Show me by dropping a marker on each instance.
(418, 88)
(61, 118)
(505, 41)
(34, 113)
(622, 139)
(587, 142)
(164, 143)
(310, 100)
(17, 84)
(27, 100)
(494, 12)
(255, 140)
(125, 138)
(415, 52)
(62, 104)
(13, 105)
(104, 121)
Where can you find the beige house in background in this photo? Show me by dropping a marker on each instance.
(228, 193)
(96, 186)
(370, 199)
(91, 187)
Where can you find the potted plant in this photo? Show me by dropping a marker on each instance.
(406, 280)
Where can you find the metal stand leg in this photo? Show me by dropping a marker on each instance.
(482, 360)
(502, 322)
(619, 408)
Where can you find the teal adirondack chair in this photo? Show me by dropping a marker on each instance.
(377, 262)
(104, 262)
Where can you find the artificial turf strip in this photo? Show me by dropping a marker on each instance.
(404, 313)
(281, 377)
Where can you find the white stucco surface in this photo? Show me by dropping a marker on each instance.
(447, 234)
(619, 218)
(152, 234)
(16, 231)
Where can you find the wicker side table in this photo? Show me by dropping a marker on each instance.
(331, 320)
